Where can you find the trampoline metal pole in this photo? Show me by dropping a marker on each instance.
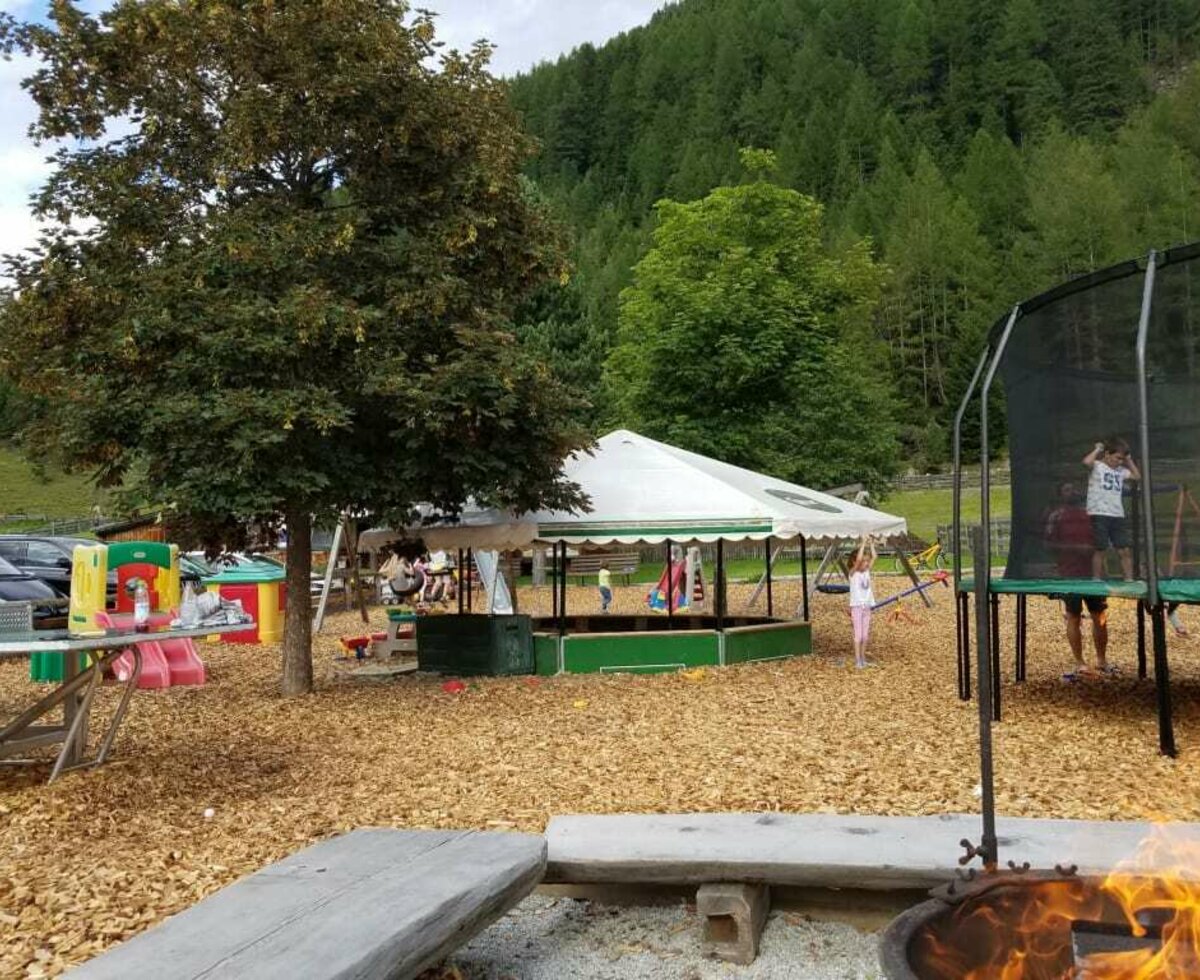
(960, 608)
(988, 843)
(459, 590)
(1162, 677)
(956, 492)
(1141, 621)
(1162, 681)
(1144, 431)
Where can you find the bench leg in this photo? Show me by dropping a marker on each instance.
(734, 915)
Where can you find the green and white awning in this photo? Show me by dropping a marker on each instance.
(642, 491)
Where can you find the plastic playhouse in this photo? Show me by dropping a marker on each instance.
(164, 662)
(261, 589)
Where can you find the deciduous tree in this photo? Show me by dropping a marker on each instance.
(302, 247)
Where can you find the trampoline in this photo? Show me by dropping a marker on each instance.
(1114, 358)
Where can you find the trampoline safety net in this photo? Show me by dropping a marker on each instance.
(1070, 379)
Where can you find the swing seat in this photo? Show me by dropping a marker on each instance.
(833, 588)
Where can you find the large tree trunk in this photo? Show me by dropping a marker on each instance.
(297, 627)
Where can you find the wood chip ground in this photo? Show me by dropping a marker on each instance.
(101, 855)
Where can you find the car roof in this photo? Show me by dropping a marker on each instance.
(49, 538)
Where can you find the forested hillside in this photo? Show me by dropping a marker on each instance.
(984, 150)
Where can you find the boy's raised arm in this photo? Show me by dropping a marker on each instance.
(1094, 455)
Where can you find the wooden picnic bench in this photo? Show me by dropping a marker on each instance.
(369, 905)
(624, 564)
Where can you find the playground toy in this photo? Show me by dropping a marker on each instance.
(164, 662)
(155, 563)
(686, 587)
(939, 578)
(358, 645)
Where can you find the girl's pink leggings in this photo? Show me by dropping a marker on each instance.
(861, 617)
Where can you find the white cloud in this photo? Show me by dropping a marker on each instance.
(526, 32)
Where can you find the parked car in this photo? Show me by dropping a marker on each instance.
(239, 559)
(19, 586)
(49, 559)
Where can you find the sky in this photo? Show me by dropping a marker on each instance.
(524, 33)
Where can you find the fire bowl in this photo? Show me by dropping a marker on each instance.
(1036, 927)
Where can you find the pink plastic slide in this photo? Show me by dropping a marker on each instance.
(164, 662)
(657, 598)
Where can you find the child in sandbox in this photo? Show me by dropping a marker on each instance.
(862, 599)
(1111, 466)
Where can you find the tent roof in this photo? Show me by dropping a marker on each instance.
(646, 491)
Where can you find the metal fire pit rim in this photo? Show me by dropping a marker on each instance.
(896, 938)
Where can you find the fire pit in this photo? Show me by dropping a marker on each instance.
(1141, 922)
(1032, 925)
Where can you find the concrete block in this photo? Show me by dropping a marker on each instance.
(733, 914)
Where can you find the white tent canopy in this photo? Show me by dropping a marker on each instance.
(646, 491)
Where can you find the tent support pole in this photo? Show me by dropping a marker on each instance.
(561, 583)
(770, 595)
(804, 574)
(720, 593)
(670, 588)
(459, 590)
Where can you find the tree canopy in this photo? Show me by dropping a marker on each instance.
(737, 338)
(986, 149)
(285, 253)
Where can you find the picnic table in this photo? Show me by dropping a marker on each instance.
(75, 692)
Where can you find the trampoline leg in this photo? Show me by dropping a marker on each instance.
(1162, 682)
(1019, 641)
(958, 644)
(994, 613)
(964, 689)
(1141, 621)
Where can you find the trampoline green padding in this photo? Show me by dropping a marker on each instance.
(1185, 590)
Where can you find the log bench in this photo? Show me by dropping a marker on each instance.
(624, 564)
(370, 904)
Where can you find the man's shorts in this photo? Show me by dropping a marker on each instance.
(1097, 605)
(1108, 531)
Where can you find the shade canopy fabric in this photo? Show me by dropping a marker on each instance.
(643, 491)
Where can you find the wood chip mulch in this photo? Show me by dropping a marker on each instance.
(101, 855)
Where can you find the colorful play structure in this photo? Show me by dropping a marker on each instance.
(686, 589)
(164, 662)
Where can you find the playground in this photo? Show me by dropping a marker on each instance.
(101, 855)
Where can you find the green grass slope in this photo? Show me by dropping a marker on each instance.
(55, 494)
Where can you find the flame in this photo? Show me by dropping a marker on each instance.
(1022, 931)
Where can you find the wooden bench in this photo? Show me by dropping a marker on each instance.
(624, 564)
(370, 904)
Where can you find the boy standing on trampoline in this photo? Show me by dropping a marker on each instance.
(1111, 466)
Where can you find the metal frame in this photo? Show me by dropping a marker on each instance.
(986, 602)
(1162, 677)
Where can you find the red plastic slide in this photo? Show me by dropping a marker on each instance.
(164, 662)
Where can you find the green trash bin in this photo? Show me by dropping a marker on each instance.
(475, 646)
(47, 667)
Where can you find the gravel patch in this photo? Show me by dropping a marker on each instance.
(552, 938)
